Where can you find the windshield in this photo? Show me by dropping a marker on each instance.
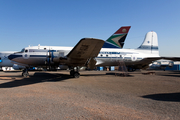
(22, 50)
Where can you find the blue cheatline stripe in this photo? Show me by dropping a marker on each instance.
(13, 56)
(145, 47)
(139, 58)
(119, 53)
(42, 56)
(109, 57)
(108, 45)
(38, 56)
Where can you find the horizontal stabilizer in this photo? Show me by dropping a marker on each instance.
(172, 58)
(144, 63)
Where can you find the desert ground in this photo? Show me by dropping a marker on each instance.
(96, 95)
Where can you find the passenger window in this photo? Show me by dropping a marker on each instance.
(101, 55)
(26, 50)
(106, 55)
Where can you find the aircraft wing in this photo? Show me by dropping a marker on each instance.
(85, 49)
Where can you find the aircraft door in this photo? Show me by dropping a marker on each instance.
(117, 57)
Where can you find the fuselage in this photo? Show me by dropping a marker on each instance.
(44, 55)
(112, 57)
(54, 56)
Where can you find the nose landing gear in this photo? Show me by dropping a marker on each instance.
(25, 72)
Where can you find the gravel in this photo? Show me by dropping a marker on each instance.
(96, 95)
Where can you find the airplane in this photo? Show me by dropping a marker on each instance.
(161, 64)
(5, 62)
(139, 58)
(81, 55)
(52, 56)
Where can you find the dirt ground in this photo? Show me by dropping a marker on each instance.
(96, 95)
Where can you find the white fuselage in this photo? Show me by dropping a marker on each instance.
(37, 56)
(51, 55)
(112, 57)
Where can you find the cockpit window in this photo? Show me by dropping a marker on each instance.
(22, 50)
(26, 51)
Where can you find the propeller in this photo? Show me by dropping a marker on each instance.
(50, 57)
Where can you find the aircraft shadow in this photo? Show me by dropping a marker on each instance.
(92, 74)
(11, 71)
(36, 78)
(171, 97)
(119, 74)
(170, 74)
(113, 74)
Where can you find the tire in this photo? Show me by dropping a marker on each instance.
(25, 74)
(76, 75)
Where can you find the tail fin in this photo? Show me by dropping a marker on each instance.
(117, 39)
(150, 43)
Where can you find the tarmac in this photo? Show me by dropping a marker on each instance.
(96, 95)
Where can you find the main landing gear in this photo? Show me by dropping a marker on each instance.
(25, 72)
(75, 72)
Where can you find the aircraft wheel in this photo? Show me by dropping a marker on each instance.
(25, 74)
(76, 75)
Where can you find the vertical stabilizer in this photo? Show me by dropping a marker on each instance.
(117, 39)
(150, 43)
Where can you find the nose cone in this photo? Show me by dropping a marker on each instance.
(13, 56)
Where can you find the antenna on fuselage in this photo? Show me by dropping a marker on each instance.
(38, 46)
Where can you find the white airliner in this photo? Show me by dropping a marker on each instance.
(83, 54)
(133, 58)
(162, 64)
(110, 54)
(5, 62)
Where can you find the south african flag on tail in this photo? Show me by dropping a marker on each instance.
(117, 39)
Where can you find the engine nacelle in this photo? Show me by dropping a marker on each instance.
(171, 64)
(18, 67)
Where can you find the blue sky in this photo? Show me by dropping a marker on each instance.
(65, 22)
